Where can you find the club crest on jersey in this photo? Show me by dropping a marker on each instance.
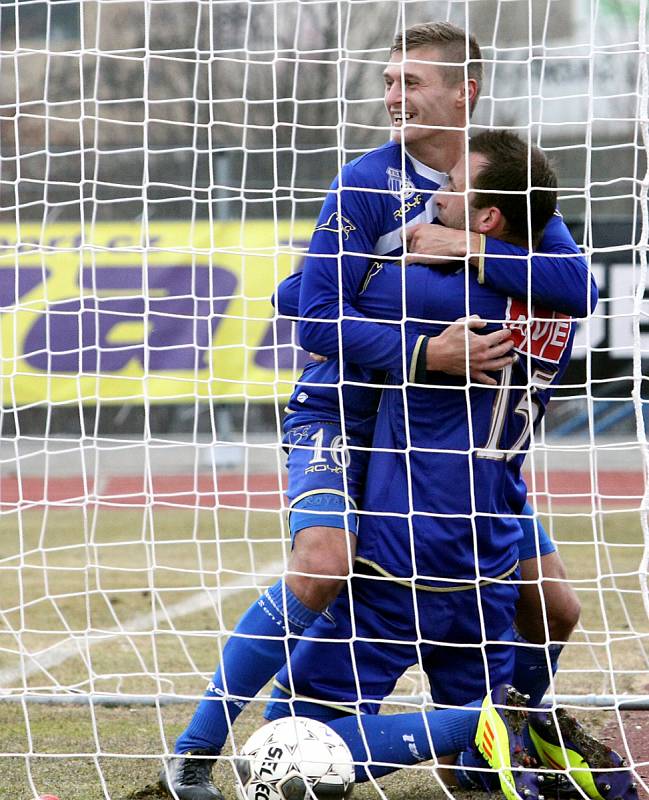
(545, 334)
(337, 224)
(399, 184)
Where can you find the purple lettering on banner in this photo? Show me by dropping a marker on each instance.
(184, 307)
(28, 279)
(277, 349)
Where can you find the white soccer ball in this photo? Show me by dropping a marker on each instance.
(294, 758)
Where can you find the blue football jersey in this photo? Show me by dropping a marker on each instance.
(443, 482)
(364, 214)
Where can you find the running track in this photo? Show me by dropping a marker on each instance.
(614, 490)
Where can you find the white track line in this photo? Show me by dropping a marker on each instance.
(72, 646)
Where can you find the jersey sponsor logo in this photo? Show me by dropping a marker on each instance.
(399, 184)
(322, 467)
(545, 334)
(408, 206)
(302, 397)
(337, 224)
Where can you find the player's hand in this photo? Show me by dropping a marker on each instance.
(488, 353)
(427, 243)
(317, 358)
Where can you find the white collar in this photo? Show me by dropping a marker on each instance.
(427, 172)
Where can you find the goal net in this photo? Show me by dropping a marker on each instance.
(162, 165)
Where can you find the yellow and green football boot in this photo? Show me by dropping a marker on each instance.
(499, 738)
(563, 744)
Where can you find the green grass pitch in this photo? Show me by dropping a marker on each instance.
(187, 574)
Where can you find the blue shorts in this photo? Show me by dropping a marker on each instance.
(535, 539)
(326, 476)
(347, 666)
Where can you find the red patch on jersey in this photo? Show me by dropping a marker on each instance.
(544, 334)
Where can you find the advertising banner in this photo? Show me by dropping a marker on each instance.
(119, 312)
(604, 344)
(127, 313)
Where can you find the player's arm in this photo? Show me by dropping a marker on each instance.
(287, 295)
(560, 278)
(447, 352)
(334, 269)
(459, 344)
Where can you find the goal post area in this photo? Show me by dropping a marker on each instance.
(162, 164)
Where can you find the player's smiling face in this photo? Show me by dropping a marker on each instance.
(452, 201)
(418, 99)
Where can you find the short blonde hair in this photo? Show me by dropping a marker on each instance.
(452, 42)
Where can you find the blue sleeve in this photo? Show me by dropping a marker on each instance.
(287, 295)
(344, 239)
(560, 276)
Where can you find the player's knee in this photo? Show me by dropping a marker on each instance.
(552, 618)
(316, 592)
(548, 607)
(563, 615)
(319, 566)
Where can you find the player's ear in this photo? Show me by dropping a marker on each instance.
(490, 221)
(468, 92)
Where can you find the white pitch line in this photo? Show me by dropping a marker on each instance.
(79, 645)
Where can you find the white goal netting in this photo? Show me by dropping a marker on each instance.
(161, 168)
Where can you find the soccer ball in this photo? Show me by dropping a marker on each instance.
(294, 758)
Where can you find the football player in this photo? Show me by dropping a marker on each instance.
(438, 544)
(372, 202)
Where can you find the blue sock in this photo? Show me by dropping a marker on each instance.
(248, 664)
(402, 739)
(531, 674)
(472, 772)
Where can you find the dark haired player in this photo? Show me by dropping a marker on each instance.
(437, 545)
